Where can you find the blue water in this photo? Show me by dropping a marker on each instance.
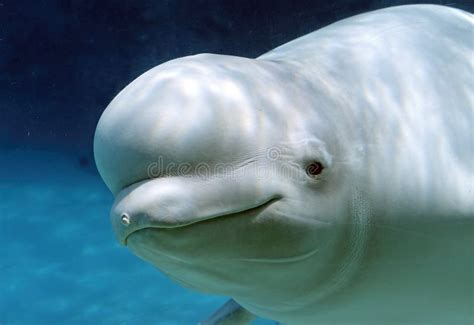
(60, 262)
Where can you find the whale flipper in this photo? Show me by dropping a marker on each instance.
(230, 313)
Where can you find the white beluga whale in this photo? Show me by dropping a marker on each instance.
(328, 181)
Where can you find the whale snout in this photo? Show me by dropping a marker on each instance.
(126, 224)
(174, 202)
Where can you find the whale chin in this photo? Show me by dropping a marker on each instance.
(215, 255)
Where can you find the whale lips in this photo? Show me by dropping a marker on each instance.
(168, 225)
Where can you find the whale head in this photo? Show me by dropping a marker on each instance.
(224, 179)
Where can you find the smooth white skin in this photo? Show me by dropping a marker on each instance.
(385, 234)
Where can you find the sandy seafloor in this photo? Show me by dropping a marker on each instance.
(60, 262)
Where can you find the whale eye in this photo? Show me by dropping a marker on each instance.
(315, 168)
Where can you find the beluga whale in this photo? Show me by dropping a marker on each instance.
(328, 181)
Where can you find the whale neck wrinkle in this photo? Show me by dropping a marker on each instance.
(352, 246)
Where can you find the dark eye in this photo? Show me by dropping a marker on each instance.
(314, 168)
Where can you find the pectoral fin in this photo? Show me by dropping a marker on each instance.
(231, 313)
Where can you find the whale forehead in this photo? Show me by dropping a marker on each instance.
(189, 110)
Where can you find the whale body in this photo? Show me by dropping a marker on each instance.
(328, 181)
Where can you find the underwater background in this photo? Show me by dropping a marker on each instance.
(61, 63)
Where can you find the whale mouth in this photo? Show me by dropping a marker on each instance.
(253, 210)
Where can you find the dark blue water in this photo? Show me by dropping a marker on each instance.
(61, 64)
